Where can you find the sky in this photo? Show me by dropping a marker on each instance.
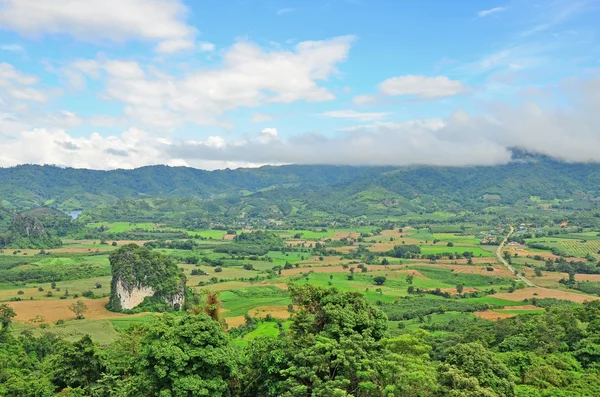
(107, 84)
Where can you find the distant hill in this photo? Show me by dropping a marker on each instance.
(311, 190)
(31, 186)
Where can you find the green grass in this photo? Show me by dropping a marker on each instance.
(8, 291)
(207, 233)
(279, 258)
(428, 249)
(119, 227)
(228, 273)
(239, 305)
(490, 299)
(122, 323)
(517, 312)
(101, 331)
(457, 239)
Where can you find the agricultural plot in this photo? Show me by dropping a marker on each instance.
(257, 290)
(571, 246)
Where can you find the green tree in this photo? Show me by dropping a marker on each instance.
(474, 370)
(459, 288)
(379, 280)
(6, 315)
(79, 308)
(77, 365)
(184, 356)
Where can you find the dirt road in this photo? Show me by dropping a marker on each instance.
(512, 269)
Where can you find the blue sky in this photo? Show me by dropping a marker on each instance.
(126, 83)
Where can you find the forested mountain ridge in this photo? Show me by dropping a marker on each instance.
(30, 186)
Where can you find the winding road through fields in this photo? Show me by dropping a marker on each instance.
(512, 269)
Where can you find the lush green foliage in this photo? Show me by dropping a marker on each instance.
(134, 266)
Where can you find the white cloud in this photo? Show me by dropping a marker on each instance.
(19, 86)
(12, 48)
(267, 135)
(160, 21)
(170, 46)
(206, 47)
(422, 86)
(352, 114)
(485, 13)
(261, 118)
(283, 11)
(248, 77)
(567, 132)
(364, 99)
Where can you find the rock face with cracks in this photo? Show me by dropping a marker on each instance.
(143, 277)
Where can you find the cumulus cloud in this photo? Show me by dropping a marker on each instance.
(352, 114)
(422, 86)
(568, 133)
(160, 21)
(413, 86)
(248, 77)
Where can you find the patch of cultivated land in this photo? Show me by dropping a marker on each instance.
(275, 311)
(499, 271)
(555, 276)
(493, 316)
(340, 269)
(528, 293)
(53, 310)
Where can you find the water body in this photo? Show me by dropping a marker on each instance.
(74, 214)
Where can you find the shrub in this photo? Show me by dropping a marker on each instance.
(218, 269)
(19, 292)
(87, 294)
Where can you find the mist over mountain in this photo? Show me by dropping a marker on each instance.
(30, 186)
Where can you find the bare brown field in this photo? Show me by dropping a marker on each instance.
(346, 249)
(381, 247)
(493, 316)
(555, 276)
(228, 236)
(523, 307)
(53, 310)
(341, 235)
(524, 253)
(296, 243)
(528, 293)
(452, 291)
(275, 311)
(236, 321)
